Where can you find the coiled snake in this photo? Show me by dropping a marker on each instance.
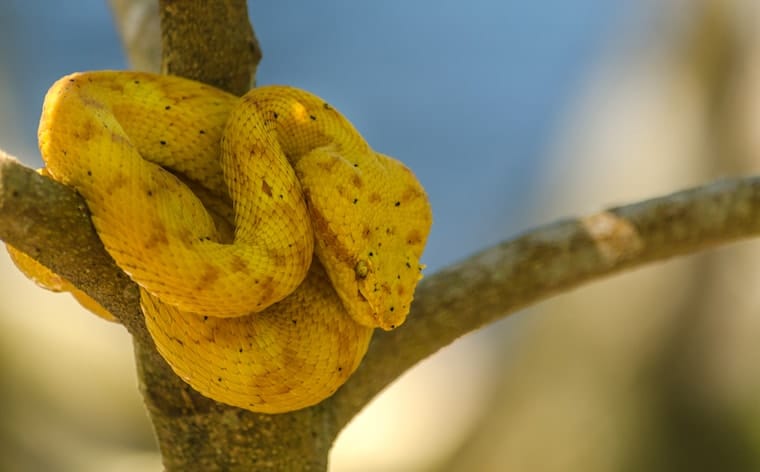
(214, 205)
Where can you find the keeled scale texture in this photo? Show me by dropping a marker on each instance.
(250, 321)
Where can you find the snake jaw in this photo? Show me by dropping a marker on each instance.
(381, 302)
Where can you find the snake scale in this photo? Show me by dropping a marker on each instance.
(267, 238)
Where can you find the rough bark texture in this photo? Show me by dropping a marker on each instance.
(198, 434)
(213, 42)
(209, 41)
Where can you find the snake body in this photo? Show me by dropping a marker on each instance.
(215, 205)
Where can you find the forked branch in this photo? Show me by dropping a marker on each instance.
(48, 220)
(212, 41)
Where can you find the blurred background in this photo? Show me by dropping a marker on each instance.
(512, 114)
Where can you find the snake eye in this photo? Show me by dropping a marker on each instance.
(361, 269)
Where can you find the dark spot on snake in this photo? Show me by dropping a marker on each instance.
(414, 237)
(357, 181)
(398, 276)
(72, 80)
(89, 172)
(408, 265)
(328, 166)
(356, 200)
(238, 264)
(118, 182)
(240, 350)
(218, 379)
(86, 132)
(327, 106)
(136, 82)
(411, 193)
(356, 165)
(295, 322)
(392, 309)
(150, 193)
(163, 143)
(275, 115)
(14, 193)
(371, 254)
(313, 118)
(266, 188)
(340, 369)
(393, 326)
(203, 131)
(168, 107)
(397, 203)
(281, 196)
(208, 277)
(205, 318)
(277, 257)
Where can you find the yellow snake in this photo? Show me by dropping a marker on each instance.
(215, 205)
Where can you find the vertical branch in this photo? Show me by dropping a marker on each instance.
(212, 42)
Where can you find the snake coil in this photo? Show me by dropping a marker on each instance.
(215, 206)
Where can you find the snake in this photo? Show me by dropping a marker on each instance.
(267, 238)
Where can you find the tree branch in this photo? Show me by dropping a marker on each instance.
(213, 42)
(546, 261)
(506, 278)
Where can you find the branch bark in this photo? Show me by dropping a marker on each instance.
(212, 42)
(546, 261)
(195, 431)
(50, 222)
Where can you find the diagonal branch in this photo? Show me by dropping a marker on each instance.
(546, 261)
(213, 42)
(460, 299)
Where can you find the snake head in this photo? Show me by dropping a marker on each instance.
(385, 288)
(371, 220)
